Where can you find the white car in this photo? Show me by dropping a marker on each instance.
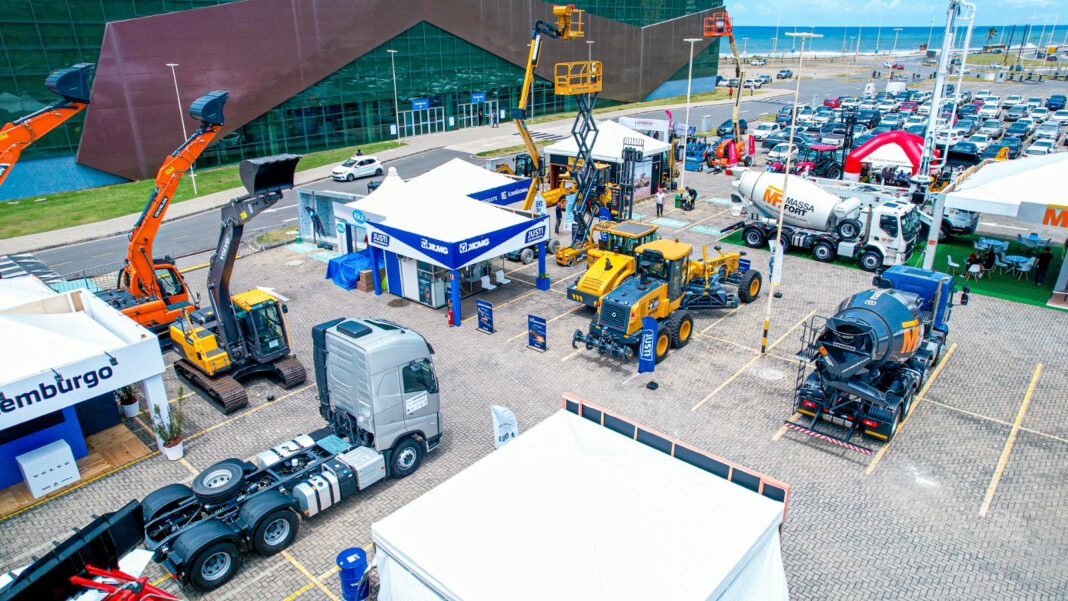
(989, 111)
(751, 84)
(1039, 114)
(1048, 131)
(989, 99)
(1012, 100)
(1060, 116)
(850, 103)
(981, 141)
(763, 130)
(915, 120)
(947, 138)
(1034, 102)
(1039, 148)
(924, 109)
(982, 93)
(356, 166)
(887, 106)
(868, 104)
(778, 154)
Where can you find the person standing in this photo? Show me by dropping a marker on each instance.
(1042, 265)
(493, 118)
(660, 202)
(730, 92)
(559, 214)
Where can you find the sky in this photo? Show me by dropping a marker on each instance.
(894, 13)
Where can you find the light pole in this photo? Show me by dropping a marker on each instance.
(745, 47)
(396, 105)
(930, 34)
(785, 180)
(775, 40)
(897, 30)
(686, 125)
(181, 118)
(878, 34)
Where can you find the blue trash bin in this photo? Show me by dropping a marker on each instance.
(354, 583)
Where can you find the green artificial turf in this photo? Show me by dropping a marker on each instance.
(999, 285)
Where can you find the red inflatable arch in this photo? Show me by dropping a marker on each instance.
(910, 143)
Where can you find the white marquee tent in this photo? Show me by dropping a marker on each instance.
(610, 142)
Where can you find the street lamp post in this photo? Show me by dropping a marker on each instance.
(930, 33)
(181, 118)
(396, 105)
(745, 47)
(686, 125)
(785, 178)
(897, 30)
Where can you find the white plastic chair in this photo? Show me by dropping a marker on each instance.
(1001, 263)
(1025, 267)
(975, 270)
(486, 285)
(953, 266)
(501, 280)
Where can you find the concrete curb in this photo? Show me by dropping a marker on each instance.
(412, 146)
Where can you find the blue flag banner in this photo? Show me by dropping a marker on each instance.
(647, 346)
(536, 332)
(485, 315)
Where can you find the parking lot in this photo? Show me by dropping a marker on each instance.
(965, 503)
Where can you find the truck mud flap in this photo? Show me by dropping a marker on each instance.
(828, 438)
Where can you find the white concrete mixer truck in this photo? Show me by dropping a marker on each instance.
(874, 232)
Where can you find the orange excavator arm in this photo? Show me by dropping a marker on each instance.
(138, 277)
(72, 84)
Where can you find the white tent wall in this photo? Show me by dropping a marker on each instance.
(609, 144)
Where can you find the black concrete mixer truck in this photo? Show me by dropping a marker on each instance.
(861, 368)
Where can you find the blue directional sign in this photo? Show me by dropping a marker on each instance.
(478, 97)
(420, 103)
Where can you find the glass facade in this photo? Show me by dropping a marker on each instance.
(352, 106)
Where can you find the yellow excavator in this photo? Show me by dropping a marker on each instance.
(613, 261)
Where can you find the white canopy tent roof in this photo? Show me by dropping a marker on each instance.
(572, 506)
(610, 143)
(1024, 188)
(461, 176)
(887, 155)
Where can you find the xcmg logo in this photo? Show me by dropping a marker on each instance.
(535, 234)
(434, 248)
(477, 244)
(43, 392)
(1056, 215)
(379, 239)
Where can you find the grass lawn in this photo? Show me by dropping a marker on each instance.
(999, 285)
(28, 216)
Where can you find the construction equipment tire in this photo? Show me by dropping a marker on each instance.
(680, 328)
(219, 482)
(754, 237)
(749, 285)
(663, 343)
(526, 256)
(552, 246)
(748, 161)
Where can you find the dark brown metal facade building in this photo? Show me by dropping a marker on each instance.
(265, 52)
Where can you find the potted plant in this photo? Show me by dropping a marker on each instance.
(169, 431)
(543, 281)
(128, 401)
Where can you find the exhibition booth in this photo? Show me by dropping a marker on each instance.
(64, 356)
(437, 244)
(612, 138)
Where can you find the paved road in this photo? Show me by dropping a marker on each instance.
(201, 232)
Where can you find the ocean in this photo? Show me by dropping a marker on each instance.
(836, 40)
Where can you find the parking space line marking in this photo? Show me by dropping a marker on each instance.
(783, 429)
(564, 314)
(305, 571)
(61, 264)
(919, 398)
(575, 352)
(717, 322)
(795, 326)
(737, 344)
(686, 227)
(187, 466)
(1004, 459)
(300, 591)
(726, 382)
(249, 412)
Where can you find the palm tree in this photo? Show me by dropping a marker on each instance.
(990, 33)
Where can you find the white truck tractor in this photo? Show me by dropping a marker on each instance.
(877, 233)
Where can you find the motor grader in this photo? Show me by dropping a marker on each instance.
(612, 261)
(668, 286)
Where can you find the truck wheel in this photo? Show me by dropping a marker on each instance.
(871, 260)
(219, 482)
(663, 343)
(275, 532)
(754, 238)
(848, 229)
(943, 232)
(895, 421)
(214, 566)
(823, 252)
(680, 328)
(749, 286)
(162, 500)
(526, 256)
(552, 246)
(405, 458)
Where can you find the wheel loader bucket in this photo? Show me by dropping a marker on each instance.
(268, 174)
(71, 83)
(209, 107)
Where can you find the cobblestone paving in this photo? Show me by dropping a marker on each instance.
(910, 529)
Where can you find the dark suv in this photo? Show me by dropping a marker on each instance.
(727, 127)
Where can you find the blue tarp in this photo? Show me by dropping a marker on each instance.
(345, 270)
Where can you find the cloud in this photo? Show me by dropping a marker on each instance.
(882, 5)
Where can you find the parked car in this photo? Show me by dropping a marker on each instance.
(978, 92)
(356, 166)
(757, 61)
(778, 153)
(990, 99)
(850, 102)
(1031, 124)
(1012, 100)
(971, 123)
(1018, 130)
(988, 111)
(868, 104)
(967, 110)
(947, 137)
(765, 129)
(832, 102)
(1060, 116)
(920, 130)
(892, 121)
(1039, 148)
(1039, 114)
(898, 67)
(1048, 131)
(992, 128)
(993, 150)
(908, 106)
(751, 84)
(784, 74)
(1034, 102)
(765, 78)
(800, 140)
(1056, 102)
(981, 141)
(869, 117)
(1018, 111)
(887, 105)
(727, 127)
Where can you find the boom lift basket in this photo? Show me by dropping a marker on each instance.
(718, 25)
(582, 77)
(268, 174)
(209, 107)
(568, 21)
(71, 83)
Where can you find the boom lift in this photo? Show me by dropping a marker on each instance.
(150, 290)
(719, 25)
(72, 84)
(242, 335)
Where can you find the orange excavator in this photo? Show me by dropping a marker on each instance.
(151, 290)
(72, 84)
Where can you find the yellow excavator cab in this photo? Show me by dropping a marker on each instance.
(669, 249)
(248, 300)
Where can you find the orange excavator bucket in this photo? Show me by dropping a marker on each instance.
(718, 25)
